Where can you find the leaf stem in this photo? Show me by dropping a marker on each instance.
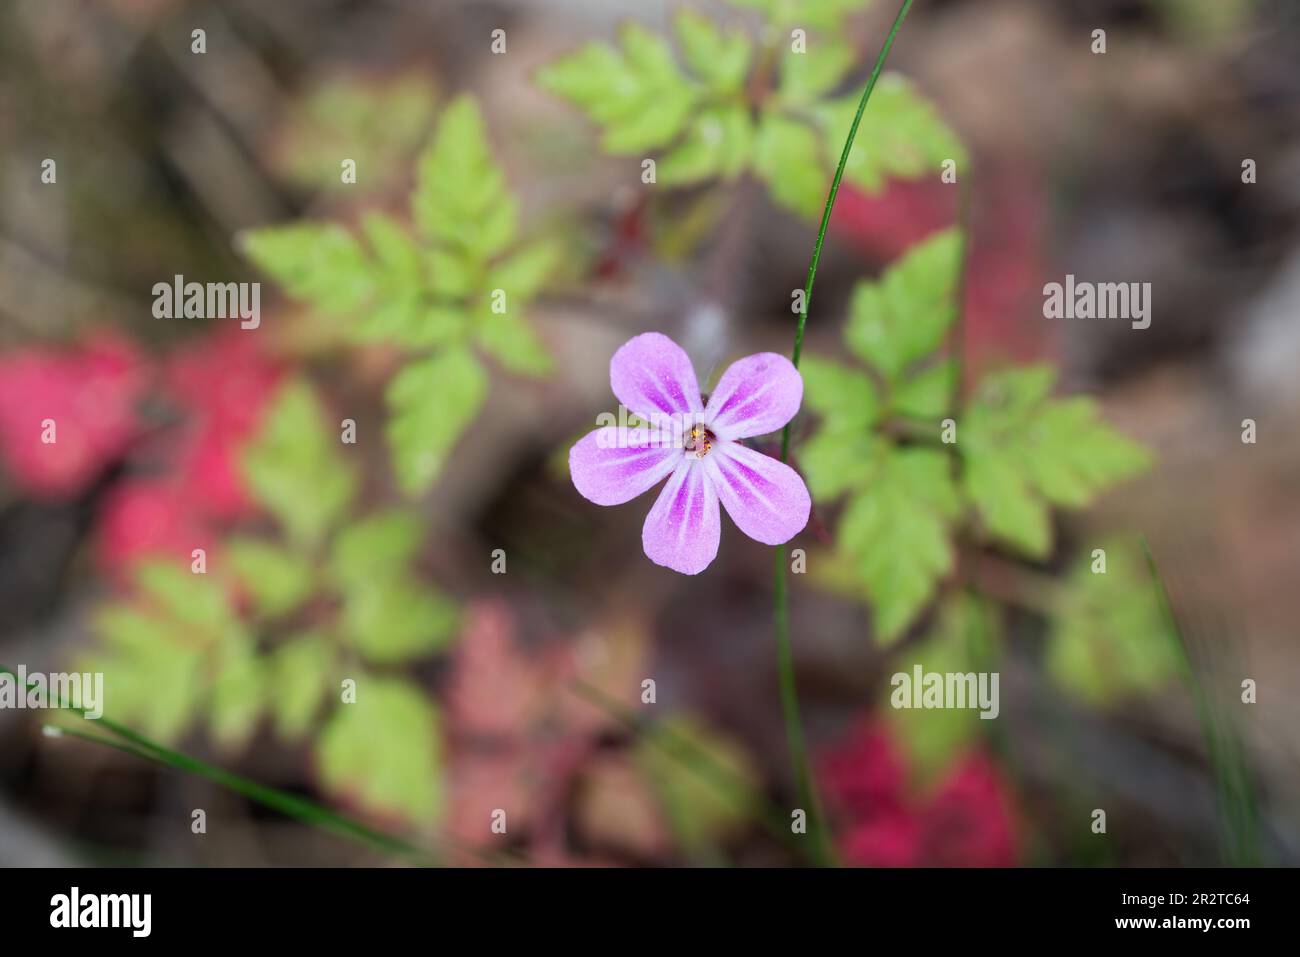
(804, 784)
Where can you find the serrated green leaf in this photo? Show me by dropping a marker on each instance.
(392, 620)
(385, 751)
(1110, 638)
(158, 652)
(720, 142)
(378, 545)
(461, 199)
(1008, 395)
(129, 630)
(278, 580)
(637, 94)
(525, 272)
(1025, 451)
(787, 156)
(500, 328)
(839, 459)
(904, 316)
(719, 57)
(396, 255)
(807, 76)
(156, 691)
(152, 667)
(896, 533)
(1006, 504)
(295, 466)
(901, 136)
(432, 401)
(300, 671)
(190, 600)
(451, 275)
(926, 394)
(595, 79)
(1075, 455)
(238, 697)
(318, 263)
(839, 394)
(389, 319)
(514, 343)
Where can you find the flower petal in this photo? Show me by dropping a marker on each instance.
(682, 530)
(766, 499)
(756, 395)
(652, 375)
(611, 466)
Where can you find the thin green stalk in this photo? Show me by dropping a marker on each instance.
(830, 200)
(308, 812)
(61, 731)
(804, 784)
(288, 804)
(1237, 808)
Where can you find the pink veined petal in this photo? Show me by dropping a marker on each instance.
(766, 498)
(611, 466)
(652, 375)
(756, 395)
(682, 530)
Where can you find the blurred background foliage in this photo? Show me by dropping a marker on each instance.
(436, 333)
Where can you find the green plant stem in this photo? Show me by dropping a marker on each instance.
(804, 784)
(1237, 806)
(830, 199)
(288, 804)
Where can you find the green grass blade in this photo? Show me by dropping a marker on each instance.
(1237, 805)
(291, 805)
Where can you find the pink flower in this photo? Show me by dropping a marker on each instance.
(697, 448)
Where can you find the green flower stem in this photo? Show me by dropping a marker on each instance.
(785, 658)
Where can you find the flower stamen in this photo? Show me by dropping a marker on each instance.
(699, 440)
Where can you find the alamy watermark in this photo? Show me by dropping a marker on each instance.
(35, 690)
(179, 299)
(952, 689)
(1098, 300)
(133, 912)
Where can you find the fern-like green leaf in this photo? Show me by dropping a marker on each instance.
(904, 317)
(461, 199)
(431, 402)
(384, 752)
(295, 466)
(896, 532)
(1025, 451)
(636, 92)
